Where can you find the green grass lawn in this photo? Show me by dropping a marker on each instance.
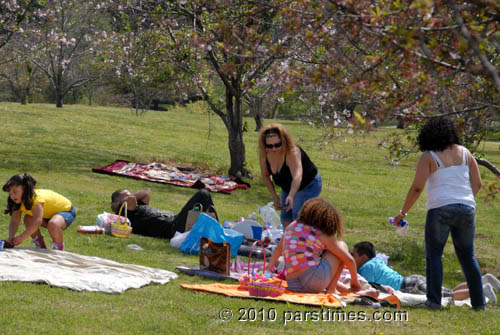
(61, 146)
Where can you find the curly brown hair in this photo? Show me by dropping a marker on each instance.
(319, 213)
(438, 134)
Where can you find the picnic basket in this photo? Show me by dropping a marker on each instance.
(256, 286)
(120, 228)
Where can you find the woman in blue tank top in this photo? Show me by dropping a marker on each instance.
(284, 163)
(451, 177)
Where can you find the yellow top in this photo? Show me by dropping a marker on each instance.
(51, 201)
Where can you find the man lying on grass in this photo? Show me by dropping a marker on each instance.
(150, 221)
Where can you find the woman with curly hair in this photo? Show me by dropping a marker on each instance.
(451, 177)
(290, 168)
(314, 252)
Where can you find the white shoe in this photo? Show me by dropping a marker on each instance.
(38, 242)
(491, 279)
(56, 247)
(490, 293)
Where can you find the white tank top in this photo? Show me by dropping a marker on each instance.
(449, 185)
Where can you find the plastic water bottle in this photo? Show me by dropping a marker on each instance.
(252, 216)
(276, 234)
(266, 236)
(401, 227)
(280, 228)
(266, 233)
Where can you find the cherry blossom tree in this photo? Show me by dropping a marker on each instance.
(226, 43)
(239, 42)
(13, 13)
(20, 76)
(400, 59)
(63, 35)
(138, 54)
(18, 71)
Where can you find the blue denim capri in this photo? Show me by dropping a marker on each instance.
(315, 280)
(312, 190)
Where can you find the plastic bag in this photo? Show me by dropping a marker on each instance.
(105, 220)
(208, 227)
(269, 215)
(176, 241)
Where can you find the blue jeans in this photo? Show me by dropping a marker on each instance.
(461, 222)
(315, 280)
(313, 189)
(68, 216)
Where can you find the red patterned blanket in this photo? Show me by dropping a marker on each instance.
(162, 173)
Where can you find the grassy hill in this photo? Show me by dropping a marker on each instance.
(61, 146)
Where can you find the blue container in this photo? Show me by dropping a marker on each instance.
(257, 232)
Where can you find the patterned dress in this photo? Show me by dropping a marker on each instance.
(302, 247)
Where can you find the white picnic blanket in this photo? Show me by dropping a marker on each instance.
(407, 299)
(76, 272)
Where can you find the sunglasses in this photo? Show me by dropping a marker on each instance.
(276, 145)
(271, 131)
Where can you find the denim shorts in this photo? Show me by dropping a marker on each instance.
(416, 284)
(315, 280)
(68, 216)
(312, 190)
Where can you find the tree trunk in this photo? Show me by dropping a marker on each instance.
(401, 124)
(59, 99)
(258, 121)
(237, 153)
(257, 111)
(235, 136)
(274, 113)
(75, 96)
(58, 83)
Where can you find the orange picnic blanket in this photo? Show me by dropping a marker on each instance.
(315, 299)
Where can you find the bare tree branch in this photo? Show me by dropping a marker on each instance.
(487, 164)
(475, 45)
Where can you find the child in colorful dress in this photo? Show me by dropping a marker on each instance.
(314, 254)
(41, 207)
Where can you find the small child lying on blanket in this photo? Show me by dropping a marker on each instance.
(374, 270)
(314, 254)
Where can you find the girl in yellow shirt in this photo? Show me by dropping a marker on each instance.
(41, 207)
